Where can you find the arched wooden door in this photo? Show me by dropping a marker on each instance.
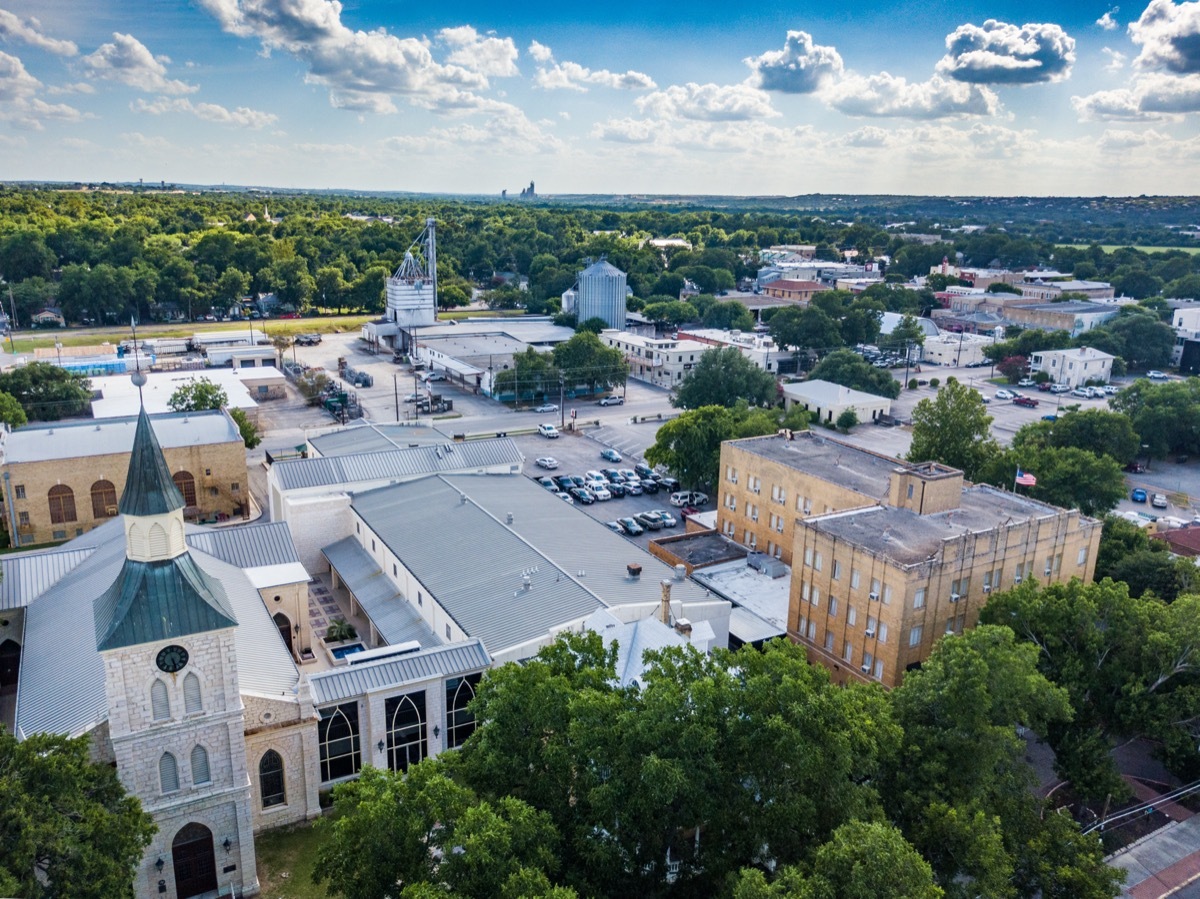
(285, 629)
(194, 862)
(10, 665)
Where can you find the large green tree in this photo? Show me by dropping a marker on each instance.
(721, 378)
(690, 446)
(197, 395)
(67, 826)
(849, 369)
(46, 392)
(587, 364)
(1166, 415)
(532, 376)
(1066, 476)
(953, 428)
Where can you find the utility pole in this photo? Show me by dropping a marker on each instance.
(562, 412)
(396, 392)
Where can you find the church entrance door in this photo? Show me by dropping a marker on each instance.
(195, 865)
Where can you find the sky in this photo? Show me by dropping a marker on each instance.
(776, 98)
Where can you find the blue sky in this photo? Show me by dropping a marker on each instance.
(651, 97)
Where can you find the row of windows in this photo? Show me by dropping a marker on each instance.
(407, 729)
(61, 498)
(160, 699)
(168, 770)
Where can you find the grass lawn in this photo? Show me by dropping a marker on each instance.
(285, 863)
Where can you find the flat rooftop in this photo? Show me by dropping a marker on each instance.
(841, 463)
(907, 538)
(702, 548)
(373, 438)
(112, 436)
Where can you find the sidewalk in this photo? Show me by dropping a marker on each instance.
(1161, 863)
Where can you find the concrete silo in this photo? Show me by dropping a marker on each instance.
(602, 295)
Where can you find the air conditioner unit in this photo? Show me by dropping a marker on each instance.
(754, 518)
(873, 596)
(870, 633)
(1046, 572)
(865, 669)
(954, 597)
(987, 588)
(1016, 578)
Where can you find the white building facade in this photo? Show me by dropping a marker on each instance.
(1074, 367)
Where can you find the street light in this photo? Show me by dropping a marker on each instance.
(58, 349)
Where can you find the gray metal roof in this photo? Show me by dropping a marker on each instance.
(442, 661)
(149, 489)
(365, 467)
(61, 685)
(368, 438)
(246, 546)
(472, 563)
(111, 436)
(27, 576)
(749, 628)
(393, 616)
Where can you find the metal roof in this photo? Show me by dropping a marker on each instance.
(61, 684)
(151, 601)
(473, 563)
(149, 489)
(27, 576)
(749, 628)
(440, 662)
(114, 436)
(393, 616)
(634, 639)
(247, 546)
(475, 455)
(369, 438)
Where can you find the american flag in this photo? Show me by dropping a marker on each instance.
(1025, 479)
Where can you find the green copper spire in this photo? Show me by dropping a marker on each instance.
(149, 489)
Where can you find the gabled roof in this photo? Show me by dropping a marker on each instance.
(27, 576)
(149, 489)
(442, 661)
(151, 601)
(247, 546)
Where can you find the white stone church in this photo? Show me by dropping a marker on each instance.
(174, 647)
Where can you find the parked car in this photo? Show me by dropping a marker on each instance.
(628, 474)
(668, 520)
(1060, 388)
(610, 455)
(650, 520)
(642, 470)
(547, 462)
(668, 483)
(435, 376)
(614, 476)
(635, 487)
(1138, 495)
(649, 485)
(1158, 500)
(593, 475)
(546, 407)
(631, 527)
(615, 527)
(564, 481)
(548, 483)
(566, 497)
(1135, 468)
(688, 498)
(1083, 392)
(600, 491)
(1026, 401)
(1050, 417)
(1005, 395)
(1027, 382)
(1044, 386)
(548, 430)
(611, 401)
(1156, 375)
(617, 489)
(583, 495)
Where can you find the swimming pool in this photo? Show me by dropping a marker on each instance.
(340, 652)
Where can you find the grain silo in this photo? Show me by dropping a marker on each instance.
(602, 295)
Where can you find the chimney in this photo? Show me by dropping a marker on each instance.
(634, 570)
(680, 572)
(665, 613)
(508, 518)
(527, 582)
(683, 627)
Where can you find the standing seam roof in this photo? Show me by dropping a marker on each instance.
(247, 546)
(149, 489)
(442, 661)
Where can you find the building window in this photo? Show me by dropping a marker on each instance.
(1082, 558)
(812, 630)
(460, 723)
(914, 635)
(235, 487)
(950, 625)
(868, 661)
(848, 652)
(372, 544)
(104, 499)
(817, 562)
(879, 668)
(883, 631)
(919, 598)
(23, 519)
(59, 535)
(187, 486)
(20, 491)
(448, 637)
(851, 615)
(192, 701)
(804, 590)
(731, 474)
(730, 502)
(855, 579)
(837, 570)
(200, 772)
(270, 779)
(160, 702)
(875, 587)
(168, 773)
(406, 730)
(394, 570)
(829, 641)
(816, 598)
(833, 604)
(420, 598)
(337, 733)
(62, 504)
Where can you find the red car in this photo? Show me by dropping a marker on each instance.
(1025, 401)
(1044, 386)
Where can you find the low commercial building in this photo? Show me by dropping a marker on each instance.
(787, 289)
(956, 349)
(63, 479)
(826, 401)
(662, 361)
(760, 349)
(1042, 289)
(1073, 367)
(1074, 317)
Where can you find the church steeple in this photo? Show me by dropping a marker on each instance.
(149, 489)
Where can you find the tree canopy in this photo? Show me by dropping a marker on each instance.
(954, 429)
(689, 446)
(197, 395)
(849, 369)
(721, 378)
(45, 391)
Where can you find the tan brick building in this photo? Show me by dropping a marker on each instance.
(787, 289)
(63, 479)
(888, 556)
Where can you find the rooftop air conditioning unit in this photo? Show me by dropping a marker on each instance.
(870, 632)
(873, 596)
(865, 669)
(954, 597)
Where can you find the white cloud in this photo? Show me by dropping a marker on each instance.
(708, 102)
(128, 61)
(870, 136)
(1122, 139)
(363, 70)
(1106, 21)
(1152, 96)
(242, 117)
(78, 87)
(1116, 59)
(501, 135)
(1169, 35)
(572, 76)
(491, 56)
(1000, 53)
(801, 67)
(15, 81)
(19, 104)
(627, 131)
(886, 95)
(30, 31)
(540, 52)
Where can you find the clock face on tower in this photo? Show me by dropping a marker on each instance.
(172, 658)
